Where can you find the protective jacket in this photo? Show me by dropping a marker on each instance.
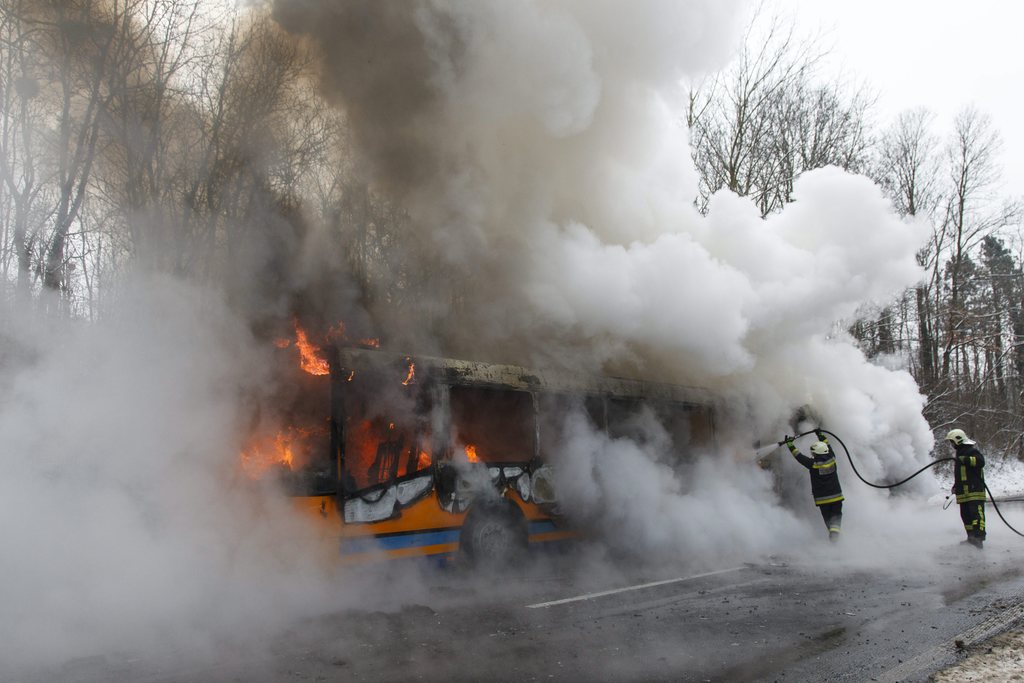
(968, 474)
(824, 479)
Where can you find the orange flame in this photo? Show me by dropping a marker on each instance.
(312, 362)
(337, 332)
(471, 454)
(411, 377)
(282, 343)
(264, 454)
(423, 461)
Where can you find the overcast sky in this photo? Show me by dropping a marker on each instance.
(940, 54)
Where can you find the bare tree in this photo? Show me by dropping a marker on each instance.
(907, 167)
(813, 126)
(765, 120)
(145, 129)
(972, 170)
(22, 113)
(84, 41)
(730, 116)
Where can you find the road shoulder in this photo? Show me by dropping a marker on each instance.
(1000, 658)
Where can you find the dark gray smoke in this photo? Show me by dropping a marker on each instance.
(541, 184)
(537, 150)
(378, 66)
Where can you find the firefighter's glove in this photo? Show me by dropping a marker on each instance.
(820, 434)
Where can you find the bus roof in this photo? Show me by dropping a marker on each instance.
(476, 373)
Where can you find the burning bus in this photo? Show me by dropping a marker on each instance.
(403, 457)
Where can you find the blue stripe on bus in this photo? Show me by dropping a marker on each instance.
(542, 527)
(414, 540)
(417, 539)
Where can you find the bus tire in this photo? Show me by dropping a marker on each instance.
(494, 535)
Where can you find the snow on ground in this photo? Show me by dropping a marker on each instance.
(1002, 657)
(1003, 474)
(999, 659)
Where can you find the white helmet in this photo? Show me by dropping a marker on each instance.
(958, 436)
(819, 448)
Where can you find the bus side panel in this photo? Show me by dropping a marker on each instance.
(421, 529)
(542, 526)
(324, 524)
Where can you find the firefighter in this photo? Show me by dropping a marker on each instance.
(969, 485)
(828, 494)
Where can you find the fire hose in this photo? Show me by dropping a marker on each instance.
(991, 498)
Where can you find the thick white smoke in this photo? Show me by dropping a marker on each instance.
(126, 522)
(538, 148)
(703, 516)
(561, 187)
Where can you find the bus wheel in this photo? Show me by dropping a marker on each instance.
(494, 535)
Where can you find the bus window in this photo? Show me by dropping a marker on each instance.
(553, 409)
(594, 405)
(677, 418)
(387, 432)
(294, 444)
(702, 425)
(493, 425)
(664, 429)
(627, 419)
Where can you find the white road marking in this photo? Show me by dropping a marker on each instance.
(601, 594)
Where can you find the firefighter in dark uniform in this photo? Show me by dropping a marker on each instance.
(969, 485)
(828, 494)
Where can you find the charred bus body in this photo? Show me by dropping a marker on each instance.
(432, 457)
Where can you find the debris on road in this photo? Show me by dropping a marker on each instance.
(998, 659)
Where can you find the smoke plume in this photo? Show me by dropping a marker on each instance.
(538, 150)
(127, 523)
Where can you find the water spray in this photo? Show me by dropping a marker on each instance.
(991, 498)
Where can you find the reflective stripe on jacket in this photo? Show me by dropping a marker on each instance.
(824, 478)
(969, 474)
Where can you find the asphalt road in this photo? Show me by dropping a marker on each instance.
(781, 619)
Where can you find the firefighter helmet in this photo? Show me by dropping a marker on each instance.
(958, 436)
(819, 448)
